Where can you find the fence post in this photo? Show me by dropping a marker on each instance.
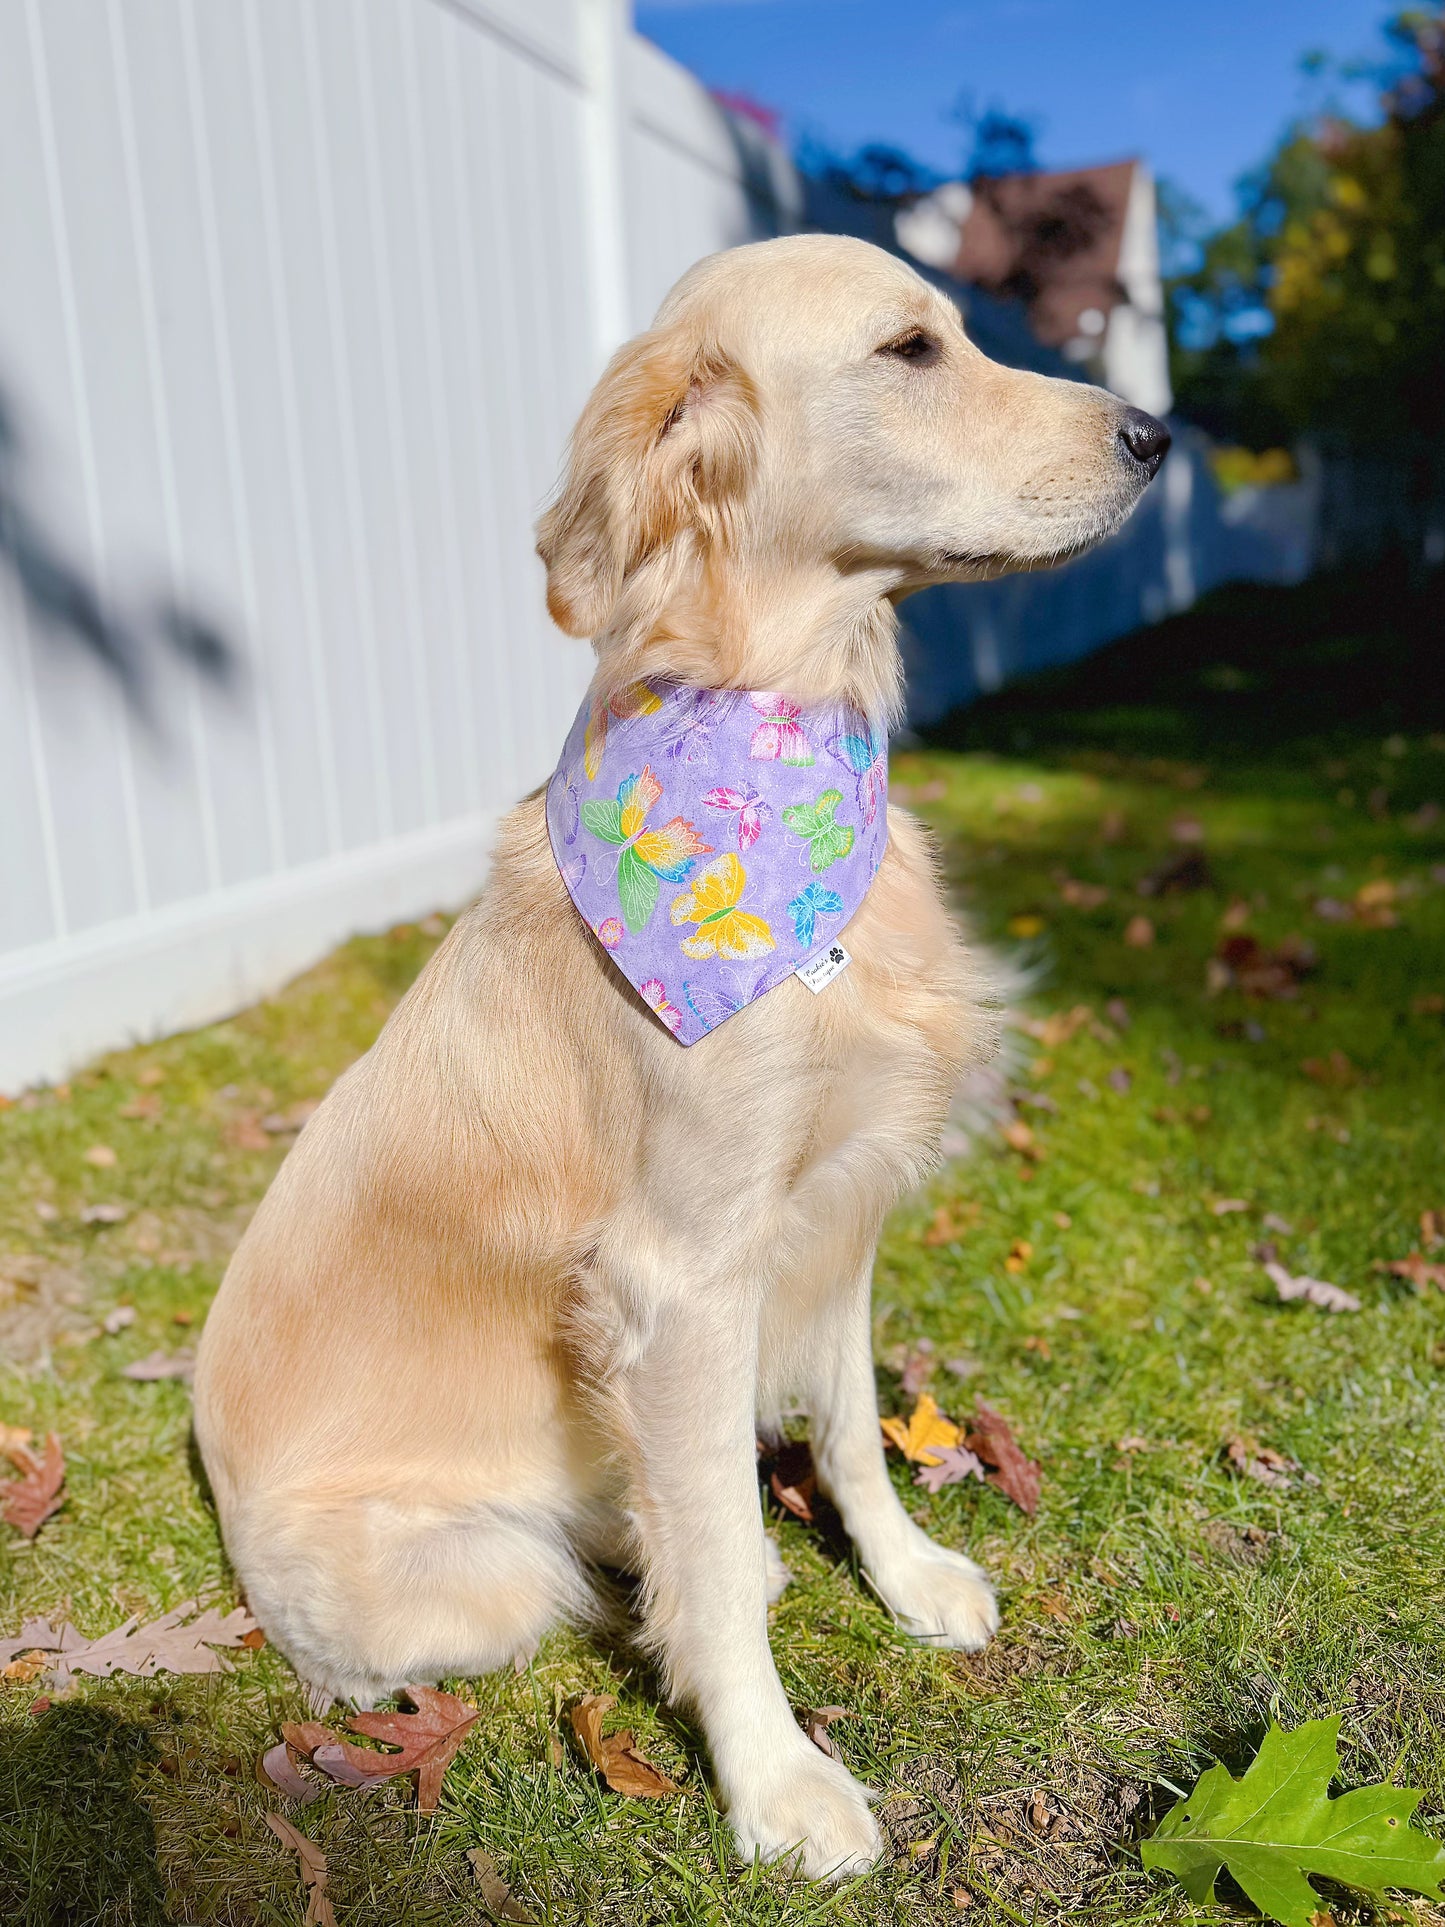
(603, 27)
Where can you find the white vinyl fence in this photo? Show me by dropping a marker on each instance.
(298, 301)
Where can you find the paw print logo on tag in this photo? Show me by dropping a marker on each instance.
(818, 974)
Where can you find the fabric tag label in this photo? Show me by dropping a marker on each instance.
(818, 974)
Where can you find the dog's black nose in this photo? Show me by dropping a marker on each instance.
(1146, 440)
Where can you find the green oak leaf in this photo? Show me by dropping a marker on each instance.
(1278, 1824)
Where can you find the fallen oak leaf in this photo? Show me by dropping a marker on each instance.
(27, 1667)
(319, 1911)
(1014, 1473)
(308, 1737)
(174, 1643)
(615, 1755)
(950, 1467)
(1261, 1463)
(815, 1721)
(924, 1434)
(27, 1502)
(426, 1739)
(951, 1222)
(1315, 1291)
(159, 1364)
(793, 1482)
(39, 1635)
(918, 1368)
(497, 1896)
(278, 1770)
(1418, 1270)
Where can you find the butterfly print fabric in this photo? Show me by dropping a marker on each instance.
(716, 840)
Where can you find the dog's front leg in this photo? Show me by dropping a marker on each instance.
(688, 1410)
(938, 1595)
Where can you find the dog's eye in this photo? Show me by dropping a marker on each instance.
(917, 347)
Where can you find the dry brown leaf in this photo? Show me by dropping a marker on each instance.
(319, 1912)
(1259, 971)
(1139, 933)
(1315, 1291)
(497, 1896)
(1060, 1026)
(1177, 875)
(1261, 1462)
(1432, 1229)
(159, 1364)
(426, 1740)
(924, 1434)
(1019, 1137)
(1015, 1474)
(27, 1502)
(27, 1667)
(918, 1367)
(815, 1721)
(793, 1482)
(951, 1222)
(277, 1768)
(174, 1643)
(1335, 1072)
(1419, 1270)
(1020, 1251)
(615, 1755)
(305, 1737)
(245, 1133)
(951, 1466)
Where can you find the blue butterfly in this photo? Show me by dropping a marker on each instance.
(814, 900)
(867, 757)
(712, 1007)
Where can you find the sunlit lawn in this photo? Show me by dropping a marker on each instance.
(1158, 1607)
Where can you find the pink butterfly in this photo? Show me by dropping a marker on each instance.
(778, 738)
(654, 993)
(867, 756)
(748, 806)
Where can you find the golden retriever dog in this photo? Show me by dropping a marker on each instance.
(533, 1274)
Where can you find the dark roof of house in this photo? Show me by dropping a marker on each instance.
(1051, 241)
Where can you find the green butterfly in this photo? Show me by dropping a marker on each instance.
(827, 840)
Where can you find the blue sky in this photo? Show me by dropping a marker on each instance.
(1200, 87)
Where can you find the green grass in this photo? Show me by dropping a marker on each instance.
(1157, 1608)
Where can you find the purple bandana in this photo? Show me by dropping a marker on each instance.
(717, 840)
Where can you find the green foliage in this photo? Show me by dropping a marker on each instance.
(1322, 308)
(1277, 1824)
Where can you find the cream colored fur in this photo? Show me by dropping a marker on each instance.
(533, 1273)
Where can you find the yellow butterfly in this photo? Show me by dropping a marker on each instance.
(722, 929)
(636, 699)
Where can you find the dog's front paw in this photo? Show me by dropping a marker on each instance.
(810, 1810)
(941, 1597)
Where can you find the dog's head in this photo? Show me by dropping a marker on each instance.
(804, 435)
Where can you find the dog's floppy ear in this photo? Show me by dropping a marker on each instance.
(665, 443)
